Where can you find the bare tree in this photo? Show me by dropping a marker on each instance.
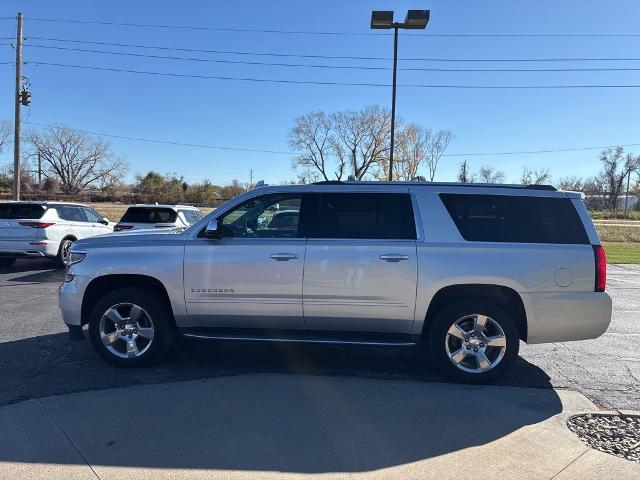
(616, 168)
(75, 159)
(312, 136)
(436, 144)
(571, 183)
(5, 133)
(362, 138)
(489, 174)
(464, 174)
(535, 177)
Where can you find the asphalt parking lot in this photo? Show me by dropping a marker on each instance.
(38, 360)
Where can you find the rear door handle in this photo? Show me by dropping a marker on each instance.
(393, 257)
(283, 257)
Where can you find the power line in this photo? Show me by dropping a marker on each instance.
(166, 142)
(336, 57)
(315, 82)
(280, 152)
(340, 67)
(307, 32)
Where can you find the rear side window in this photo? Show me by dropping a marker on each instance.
(364, 215)
(71, 213)
(518, 219)
(149, 215)
(21, 210)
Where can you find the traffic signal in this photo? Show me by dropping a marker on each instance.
(25, 98)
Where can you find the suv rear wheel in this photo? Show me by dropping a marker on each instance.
(473, 340)
(63, 253)
(130, 327)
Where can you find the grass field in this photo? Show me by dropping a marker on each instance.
(618, 252)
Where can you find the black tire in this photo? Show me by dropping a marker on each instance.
(157, 310)
(450, 314)
(60, 259)
(7, 261)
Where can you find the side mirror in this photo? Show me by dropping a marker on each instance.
(105, 220)
(213, 230)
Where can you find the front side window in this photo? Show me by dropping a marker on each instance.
(92, 215)
(191, 216)
(365, 215)
(267, 216)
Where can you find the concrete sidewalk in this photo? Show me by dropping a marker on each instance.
(301, 426)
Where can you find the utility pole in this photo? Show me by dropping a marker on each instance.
(626, 198)
(251, 177)
(16, 125)
(39, 170)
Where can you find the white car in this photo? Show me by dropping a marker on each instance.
(45, 229)
(140, 217)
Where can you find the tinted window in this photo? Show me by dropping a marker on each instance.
(71, 213)
(503, 218)
(269, 216)
(191, 216)
(21, 210)
(92, 215)
(149, 215)
(365, 215)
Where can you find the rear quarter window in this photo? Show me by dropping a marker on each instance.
(517, 219)
(149, 215)
(21, 210)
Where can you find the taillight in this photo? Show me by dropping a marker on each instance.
(119, 228)
(36, 224)
(601, 268)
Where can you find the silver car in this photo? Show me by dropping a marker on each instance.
(45, 229)
(462, 271)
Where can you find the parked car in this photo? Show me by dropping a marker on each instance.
(45, 229)
(158, 216)
(464, 271)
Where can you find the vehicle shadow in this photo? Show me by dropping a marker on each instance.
(267, 408)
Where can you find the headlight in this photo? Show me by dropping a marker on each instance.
(76, 257)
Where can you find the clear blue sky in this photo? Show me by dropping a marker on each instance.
(258, 115)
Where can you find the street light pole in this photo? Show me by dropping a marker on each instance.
(415, 20)
(393, 99)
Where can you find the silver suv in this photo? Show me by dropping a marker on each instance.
(45, 229)
(464, 271)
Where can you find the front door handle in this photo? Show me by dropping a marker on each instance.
(393, 257)
(283, 257)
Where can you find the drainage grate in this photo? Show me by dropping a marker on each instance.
(615, 434)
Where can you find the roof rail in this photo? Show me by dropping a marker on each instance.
(329, 182)
(542, 187)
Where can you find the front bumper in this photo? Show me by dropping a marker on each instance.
(561, 317)
(70, 295)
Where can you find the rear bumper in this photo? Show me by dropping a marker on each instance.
(31, 248)
(561, 317)
(70, 295)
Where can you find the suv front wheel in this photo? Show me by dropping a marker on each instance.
(473, 340)
(130, 327)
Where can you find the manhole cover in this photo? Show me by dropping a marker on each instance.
(615, 434)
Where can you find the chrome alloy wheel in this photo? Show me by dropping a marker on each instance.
(475, 343)
(126, 330)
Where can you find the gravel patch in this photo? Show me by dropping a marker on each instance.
(615, 434)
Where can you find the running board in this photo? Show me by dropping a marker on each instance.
(333, 338)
